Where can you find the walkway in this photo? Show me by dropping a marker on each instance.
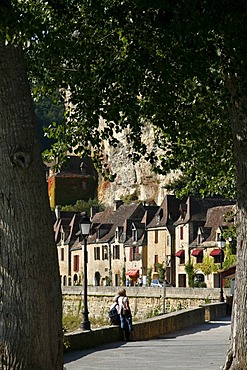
(202, 347)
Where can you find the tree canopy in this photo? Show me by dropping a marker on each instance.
(161, 63)
(179, 65)
(136, 63)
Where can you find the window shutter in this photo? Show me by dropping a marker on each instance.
(131, 254)
(76, 263)
(156, 236)
(181, 233)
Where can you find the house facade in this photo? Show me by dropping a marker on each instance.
(117, 247)
(66, 231)
(188, 228)
(207, 250)
(161, 239)
(77, 180)
(127, 242)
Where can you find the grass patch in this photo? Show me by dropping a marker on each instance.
(72, 322)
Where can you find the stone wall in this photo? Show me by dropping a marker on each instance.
(147, 329)
(144, 301)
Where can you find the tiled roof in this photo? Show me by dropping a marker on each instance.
(116, 218)
(217, 217)
(69, 222)
(196, 209)
(167, 213)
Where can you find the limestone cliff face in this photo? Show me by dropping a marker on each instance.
(132, 180)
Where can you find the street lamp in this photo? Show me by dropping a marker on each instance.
(221, 244)
(85, 225)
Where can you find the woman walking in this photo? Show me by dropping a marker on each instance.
(125, 313)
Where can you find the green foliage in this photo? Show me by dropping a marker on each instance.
(191, 272)
(71, 322)
(130, 198)
(83, 206)
(149, 276)
(163, 63)
(48, 110)
(161, 271)
(208, 300)
(230, 235)
(108, 281)
(207, 266)
(229, 260)
(200, 284)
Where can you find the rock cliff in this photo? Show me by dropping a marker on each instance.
(133, 181)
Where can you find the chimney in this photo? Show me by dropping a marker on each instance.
(118, 203)
(57, 212)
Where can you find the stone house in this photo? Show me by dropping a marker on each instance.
(129, 239)
(76, 180)
(207, 244)
(192, 217)
(66, 227)
(114, 246)
(136, 249)
(161, 238)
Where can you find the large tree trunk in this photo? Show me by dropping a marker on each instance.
(237, 354)
(30, 293)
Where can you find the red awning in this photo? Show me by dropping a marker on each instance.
(180, 253)
(215, 252)
(196, 252)
(132, 273)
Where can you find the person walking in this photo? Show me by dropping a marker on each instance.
(125, 314)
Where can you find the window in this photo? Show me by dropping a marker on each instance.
(182, 280)
(134, 233)
(181, 255)
(198, 253)
(181, 233)
(76, 263)
(199, 258)
(182, 259)
(97, 253)
(116, 252)
(104, 252)
(156, 236)
(136, 254)
(156, 260)
(62, 254)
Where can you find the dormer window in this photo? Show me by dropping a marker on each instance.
(183, 210)
(200, 236)
(199, 239)
(159, 215)
(118, 233)
(134, 233)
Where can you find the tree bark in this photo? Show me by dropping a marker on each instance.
(237, 354)
(30, 292)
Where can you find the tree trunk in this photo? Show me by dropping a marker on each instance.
(237, 354)
(30, 292)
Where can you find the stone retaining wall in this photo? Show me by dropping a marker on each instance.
(149, 328)
(145, 302)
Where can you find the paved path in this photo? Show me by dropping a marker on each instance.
(202, 347)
